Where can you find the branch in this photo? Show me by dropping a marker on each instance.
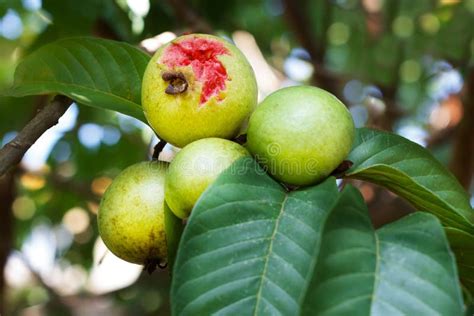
(185, 12)
(12, 153)
(462, 160)
(7, 195)
(158, 149)
(297, 17)
(299, 22)
(295, 13)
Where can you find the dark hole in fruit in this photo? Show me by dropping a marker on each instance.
(177, 82)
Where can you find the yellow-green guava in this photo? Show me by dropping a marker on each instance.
(194, 168)
(131, 214)
(300, 134)
(198, 86)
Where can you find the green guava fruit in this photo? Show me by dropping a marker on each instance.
(300, 134)
(132, 214)
(194, 168)
(198, 86)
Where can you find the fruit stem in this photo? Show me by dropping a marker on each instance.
(241, 139)
(177, 82)
(340, 170)
(158, 149)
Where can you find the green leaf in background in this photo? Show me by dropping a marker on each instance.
(404, 268)
(249, 246)
(95, 72)
(410, 171)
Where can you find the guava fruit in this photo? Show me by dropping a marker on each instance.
(131, 214)
(194, 168)
(300, 134)
(198, 86)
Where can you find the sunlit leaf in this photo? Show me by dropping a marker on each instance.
(412, 172)
(96, 72)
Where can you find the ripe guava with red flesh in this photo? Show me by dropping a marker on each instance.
(196, 167)
(131, 214)
(300, 134)
(198, 86)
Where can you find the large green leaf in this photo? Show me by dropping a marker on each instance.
(252, 248)
(412, 172)
(95, 72)
(462, 244)
(249, 246)
(405, 268)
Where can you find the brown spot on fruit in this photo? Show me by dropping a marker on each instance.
(177, 82)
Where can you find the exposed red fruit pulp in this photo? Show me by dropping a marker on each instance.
(201, 54)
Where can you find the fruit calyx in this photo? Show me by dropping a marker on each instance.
(151, 264)
(177, 82)
(202, 55)
(342, 168)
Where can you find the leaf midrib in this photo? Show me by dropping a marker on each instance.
(267, 257)
(354, 173)
(33, 83)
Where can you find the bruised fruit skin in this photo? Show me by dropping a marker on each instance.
(202, 55)
(194, 168)
(198, 86)
(131, 214)
(300, 134)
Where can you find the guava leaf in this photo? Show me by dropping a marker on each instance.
(404, 268)
(252, 248)
(95, 72)
(173, 230)
(462, 243)
(410, 171)
(249, 246)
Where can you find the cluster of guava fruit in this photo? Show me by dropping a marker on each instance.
(198, 91)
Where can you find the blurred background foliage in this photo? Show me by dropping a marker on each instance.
(405, 66)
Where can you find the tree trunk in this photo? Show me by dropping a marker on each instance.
(462, 162)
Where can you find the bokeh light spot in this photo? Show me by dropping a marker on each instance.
(23, 208)
(76, 220)
(403, 26)
(31, 181)
(99, 185)
(429, 23)
(139, 7)
(32, 5)
(410, 71)
(66, 169)
(8, 137)
(93, 207)
(338, 33)
(90, 135)
(11, 26)
(360, 115)
(372, 6)
(298, 69)
(62, 151)
(111, 135)
(353, 91)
